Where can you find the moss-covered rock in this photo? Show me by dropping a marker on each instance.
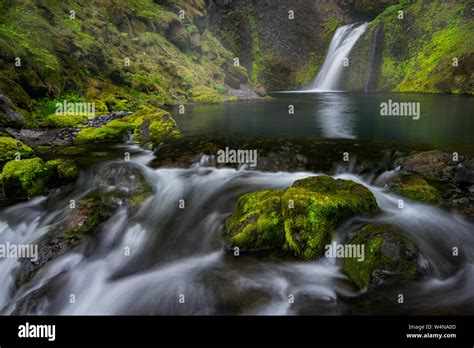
(10, 148)
(32, 177)
(155, 127)
(300, 219)
(320, 203)
(148, 126)
(25, 178)
(61, 121)
(257, 222)
(417, 188)
(389, 257)
(64, 171)
(203, 94)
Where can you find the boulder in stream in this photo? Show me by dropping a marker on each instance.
(300, 219)
(389, 257)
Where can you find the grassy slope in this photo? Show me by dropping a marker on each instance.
(84, 58)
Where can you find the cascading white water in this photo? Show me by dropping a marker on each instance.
(341, 44)
(177, 252)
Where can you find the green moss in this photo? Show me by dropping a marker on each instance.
(85, 219)
(232, 98)
(65, 171)
(387, 256)
(25, 178)
(418, 51)
(203, 94)
(257, 222)
(102, 134)
(257, 60)
(320, 204)
(418, 189)
(10, 148)
(61, 121)
(150, 125)
(300, 219)
(62, 56)
(331, 24)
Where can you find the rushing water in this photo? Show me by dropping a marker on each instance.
(341, 44)
(177, 252)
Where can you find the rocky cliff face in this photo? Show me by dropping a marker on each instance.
(427, 47)
(282, 44)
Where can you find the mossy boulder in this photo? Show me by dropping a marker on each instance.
(203, 94)
(10, 148)
(156, 127)
(62, 121)
(257, 222)
(314, 206)
(300, 219)
(147, 125)
(418, 189)
(389, 257)
(27, 178)
(65, 171)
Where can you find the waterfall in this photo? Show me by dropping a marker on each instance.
(341, 44)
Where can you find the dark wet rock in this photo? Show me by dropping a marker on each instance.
(178, 35)
(435, 164)
(261, 91)
(9, 117)
(389, 257)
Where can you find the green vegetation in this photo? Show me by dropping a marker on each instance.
(388, 256)
(418, 189)
(27, 178)
(429, 50)
(60, 121)
(149, 125)
(300, 219)
(203, 94)
(99, 57)
(257, 222)
(11, 148)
